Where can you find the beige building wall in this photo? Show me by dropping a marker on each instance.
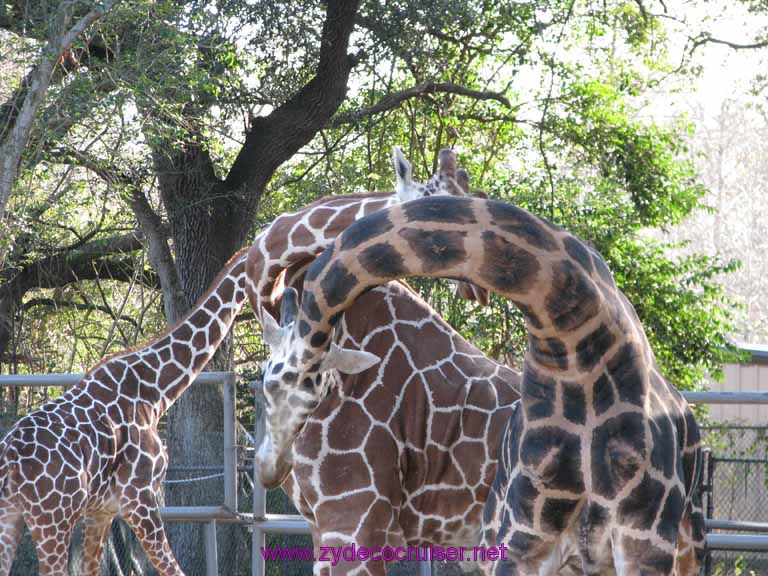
(751, 376)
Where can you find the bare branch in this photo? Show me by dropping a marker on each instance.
(394, 99)
(12, 147)
(53, 303)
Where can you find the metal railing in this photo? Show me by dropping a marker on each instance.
(261, 523)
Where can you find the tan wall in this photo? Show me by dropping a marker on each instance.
(741, 378)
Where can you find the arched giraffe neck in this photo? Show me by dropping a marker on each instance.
(563, 288)
(156, 374)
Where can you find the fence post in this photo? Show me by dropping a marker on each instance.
(259, 499)
(211, 552)
(425, 566)
(230, 443)
(710, 489)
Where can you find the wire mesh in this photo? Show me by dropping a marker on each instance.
(739, 491)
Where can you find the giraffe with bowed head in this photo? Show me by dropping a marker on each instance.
(600, 465)
(94, 452)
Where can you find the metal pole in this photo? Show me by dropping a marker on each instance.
(425, 566)
(259, 501)
(710, 488)
(230, 443)
(211, 553)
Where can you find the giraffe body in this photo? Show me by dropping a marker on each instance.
(95, 452)
(600, 464)
(403, 455)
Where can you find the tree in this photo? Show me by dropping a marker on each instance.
(185, 126)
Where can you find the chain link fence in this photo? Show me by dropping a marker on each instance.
(739, 491)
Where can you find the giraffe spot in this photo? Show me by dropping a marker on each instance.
(574, 403)
(381, 447)
(562, 452)
(348, 428)
(199, 340)
(625, 371)
(450, 210)
(336, 284)
(442, 466)
(556, 514)
(340, 473)
(602, 395)
(169, 373)
(382, 260)
(693, 436)
(435, 249)
(374, 225)
(302, 236)
(226, 290)
(304, 328)
(466, 455)
(344, 219)
(413, 414)
(445, 428)
(413, 463)
(572, 299)
(669, 521)
(481, 395)
(642, 557)
(310, 308)
(310, 440)
(406, 305)
(413, 338)
(550, 352)
(319, 264)
(319, 216)
(591, 349)
(335, 512)
(181, 353)
(451, 501)
(183, 331)
(116, 370)
(664, 443)
(639, 509)
(521, 497)
(538, 394)
(618, 450)
(473, 422)
(520, 542)
(507, 268)
(130, 385)
(522, 224)
(576, 250)
(318, 339)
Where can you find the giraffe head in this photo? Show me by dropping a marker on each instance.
(292, 389)
(447, 181)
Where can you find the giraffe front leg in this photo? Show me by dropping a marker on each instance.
(95, 531)
(143, 517)
(51, 539)
(632, 556)
(11, 526)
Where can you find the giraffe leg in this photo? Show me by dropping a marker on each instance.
(632, 556)
(95, 532)
(51, 541)
(145, 522)
(11, 526)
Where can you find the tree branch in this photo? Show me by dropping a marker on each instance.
(706, 38)
(273, 139)
(14, 143)
(53, 303)
(394, 99)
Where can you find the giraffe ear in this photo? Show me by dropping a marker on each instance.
(348, 361)
(272, 334)
(403, 174)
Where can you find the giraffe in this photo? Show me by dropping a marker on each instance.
(95, 452)
(600, 465)
(403, 455)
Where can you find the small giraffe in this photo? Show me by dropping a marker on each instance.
(600, 466)
(95, 452)
(403, 455)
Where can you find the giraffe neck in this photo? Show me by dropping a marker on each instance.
(298, 237)
(563, 288)
(155, 375)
